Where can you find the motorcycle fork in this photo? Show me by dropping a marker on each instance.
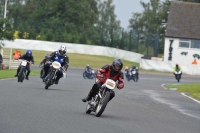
(55, 75)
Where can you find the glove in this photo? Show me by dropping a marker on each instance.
(40, 66)
(65, 69)
(120, 86)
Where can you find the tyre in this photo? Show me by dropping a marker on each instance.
(48, 82)
(20, 75)
(178, 78)
(84, 75)
(102, 104)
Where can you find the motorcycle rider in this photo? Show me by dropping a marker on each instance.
(61, 57)
(88, 70)
(134, 68)
(127, 72)
(177, 67)
(108, 71)
(42, 63)
(29, 57)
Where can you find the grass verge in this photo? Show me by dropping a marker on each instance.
(192, 90)
(10, 73)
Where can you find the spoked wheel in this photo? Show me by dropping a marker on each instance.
(20, 76)
(48, 82)
(102, 104)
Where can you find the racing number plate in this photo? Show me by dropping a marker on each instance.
(23, 63)
(110, 84)
(56, 64)
(133, 72)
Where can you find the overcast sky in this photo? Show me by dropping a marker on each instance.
(125, 8)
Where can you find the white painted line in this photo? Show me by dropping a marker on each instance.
(156, 96)
(190, 98)
(183, 94)
(163, 86)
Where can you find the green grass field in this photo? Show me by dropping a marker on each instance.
(10, 73)
(76, 60)
(192, 89)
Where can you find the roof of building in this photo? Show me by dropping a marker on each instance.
(183, 20)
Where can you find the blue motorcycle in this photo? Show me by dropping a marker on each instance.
(89, 74)
(132, 74)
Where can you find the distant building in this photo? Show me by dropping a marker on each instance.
(182, 37)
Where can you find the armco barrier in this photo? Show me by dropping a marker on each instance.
(13, 64)
(73, 48)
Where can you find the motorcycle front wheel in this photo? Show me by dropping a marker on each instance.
(84, 75)
(48, 82)
(102, 104)
(20, 75)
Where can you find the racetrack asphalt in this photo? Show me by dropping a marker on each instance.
(140, 107)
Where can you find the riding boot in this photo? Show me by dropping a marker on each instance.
(89, 97)
(17, 72)
(27, 74)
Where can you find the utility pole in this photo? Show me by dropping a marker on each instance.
(4, 16)
(5, 9)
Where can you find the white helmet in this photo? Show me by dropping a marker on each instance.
(62, 48)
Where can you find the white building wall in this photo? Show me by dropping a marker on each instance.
(176, 53)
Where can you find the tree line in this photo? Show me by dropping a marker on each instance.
(90, 22)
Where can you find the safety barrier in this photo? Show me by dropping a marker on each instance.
(13, 64)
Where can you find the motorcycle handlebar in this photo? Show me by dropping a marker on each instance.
(25, 60)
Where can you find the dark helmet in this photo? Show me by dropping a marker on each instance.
(133, 67)
(28, 52)
(47, 56)
(117, 62)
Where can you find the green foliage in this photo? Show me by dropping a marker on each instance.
(10, 73)
(6, 31)
(88, 22)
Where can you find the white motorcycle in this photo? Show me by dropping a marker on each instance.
(22, 72)
(99, 102)
(177, 74)
(51, 76)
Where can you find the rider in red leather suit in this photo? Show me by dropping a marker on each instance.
(108, 71)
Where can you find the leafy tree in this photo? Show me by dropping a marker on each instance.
(6, 30)
(149, 24)
(107, 25)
